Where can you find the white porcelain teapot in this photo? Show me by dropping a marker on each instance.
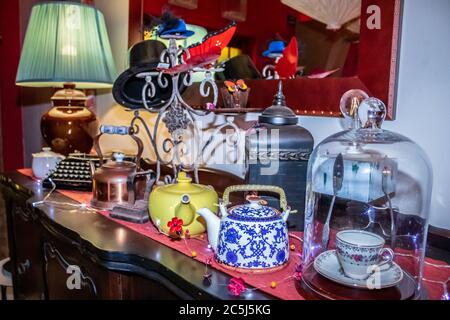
(252, 236)
(45, 162)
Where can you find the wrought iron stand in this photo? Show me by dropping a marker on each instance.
(178, 116)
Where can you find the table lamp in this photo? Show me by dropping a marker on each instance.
(66, 46)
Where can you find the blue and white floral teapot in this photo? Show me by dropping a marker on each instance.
(252, 236)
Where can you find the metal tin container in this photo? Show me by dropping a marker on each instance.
(277, 153)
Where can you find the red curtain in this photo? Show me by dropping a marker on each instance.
(10, 107)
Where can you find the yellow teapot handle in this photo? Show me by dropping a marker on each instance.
(255, 187)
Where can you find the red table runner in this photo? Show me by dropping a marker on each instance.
(285, 282)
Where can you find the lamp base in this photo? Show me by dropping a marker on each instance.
(69, 129)
(69, 126)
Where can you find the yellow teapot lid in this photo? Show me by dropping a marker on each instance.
(183, 177)
(184, 185)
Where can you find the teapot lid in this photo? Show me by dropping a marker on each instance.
(47, 153)
(184, 185)
(254, 210)
(118, 162)
(183, 177)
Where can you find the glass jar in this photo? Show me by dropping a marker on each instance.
(368, 192)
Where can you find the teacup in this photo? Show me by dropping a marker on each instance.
(360, 253)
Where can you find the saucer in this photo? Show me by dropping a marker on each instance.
(327, 265)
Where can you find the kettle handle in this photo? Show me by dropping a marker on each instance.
(255, 187)
(119, 130)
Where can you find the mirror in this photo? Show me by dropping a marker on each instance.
(336, 52)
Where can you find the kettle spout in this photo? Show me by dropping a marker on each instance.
(212, 226)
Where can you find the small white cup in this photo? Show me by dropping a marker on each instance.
(359, 252)
(45, 162)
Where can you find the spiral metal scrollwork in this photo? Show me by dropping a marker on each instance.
(178, 117)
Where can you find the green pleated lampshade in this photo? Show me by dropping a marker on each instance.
(66, 43)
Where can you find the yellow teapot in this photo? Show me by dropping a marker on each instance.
(182, 200)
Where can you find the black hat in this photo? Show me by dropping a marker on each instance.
(238, 67)
(127, 90)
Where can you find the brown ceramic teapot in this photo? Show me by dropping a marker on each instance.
(118, 181)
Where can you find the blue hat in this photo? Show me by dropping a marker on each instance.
(276, 48)
(178, 32)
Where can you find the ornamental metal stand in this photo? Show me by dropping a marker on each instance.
(177, 115)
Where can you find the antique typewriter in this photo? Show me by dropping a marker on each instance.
(73, 173)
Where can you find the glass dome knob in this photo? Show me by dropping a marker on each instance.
(372, 113)
(349, 105)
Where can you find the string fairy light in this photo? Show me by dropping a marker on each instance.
(46, 200)
(445, 295)
(444, 284)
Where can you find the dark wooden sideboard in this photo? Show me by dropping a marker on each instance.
(115, 262)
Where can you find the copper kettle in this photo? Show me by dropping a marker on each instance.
(118, 181)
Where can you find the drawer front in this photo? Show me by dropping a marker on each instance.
(27, 259)
(69, 275)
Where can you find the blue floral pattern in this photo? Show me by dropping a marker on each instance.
(232, 236)
(231, 257)
(281, 256)
(253, 245)
(247, 213)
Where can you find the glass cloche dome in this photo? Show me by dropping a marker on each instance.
(367, 204)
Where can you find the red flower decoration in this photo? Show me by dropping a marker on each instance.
(236, 286)
(175, 225)
(357, 257)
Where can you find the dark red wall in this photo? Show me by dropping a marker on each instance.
(11, 113)
(264, 19)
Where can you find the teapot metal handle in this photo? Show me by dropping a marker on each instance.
(255, 187)
(119, 130)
